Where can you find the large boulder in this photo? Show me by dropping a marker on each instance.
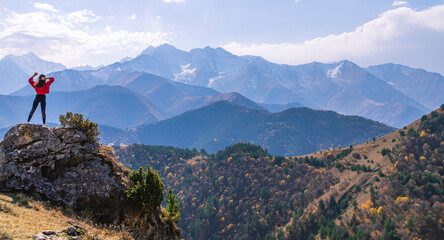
(63, 167)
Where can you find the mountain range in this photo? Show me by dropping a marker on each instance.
(220, 124)
(389, 93)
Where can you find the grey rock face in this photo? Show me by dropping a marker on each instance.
(63, 167)
(59, 164)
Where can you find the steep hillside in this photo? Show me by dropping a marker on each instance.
(295, 131)
(389, 188)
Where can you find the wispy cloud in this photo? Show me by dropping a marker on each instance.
(45, 7)
(399, 3)
(174, 1)
(70, 38)
(401, 33)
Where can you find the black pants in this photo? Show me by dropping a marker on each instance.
(39, 98)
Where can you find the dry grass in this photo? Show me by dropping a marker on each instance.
(21, 217)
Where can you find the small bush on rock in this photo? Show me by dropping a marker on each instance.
(76, 121)
(146, 189)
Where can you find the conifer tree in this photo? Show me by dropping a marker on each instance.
(172, 208)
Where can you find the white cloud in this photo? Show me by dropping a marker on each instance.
(83, 16)
(176, 1)
(399, 3)
(133, 16)
(45, 7)
(75, 38)
(401, 35)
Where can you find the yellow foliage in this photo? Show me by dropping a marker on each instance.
(366, 205)
(373, 211)
(406, 158)
(288, 176)
(423, 134)
(422, 158)
(222, 219)
(229, 159)
(282, 182)
(170, 175)
(230, 226)
(380, 210)
(402, 199)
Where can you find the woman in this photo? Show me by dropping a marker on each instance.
(42, 88)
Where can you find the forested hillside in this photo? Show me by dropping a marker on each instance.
(389, 188)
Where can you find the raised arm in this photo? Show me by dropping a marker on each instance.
(31, 80)
(51, 80)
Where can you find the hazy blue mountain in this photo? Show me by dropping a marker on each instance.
(292, 132)
(14, 109)
(342, 86)
(12, 77)
(85, 68)
(73, 80)
(16, 70)
(107, 105)
(196, 67)
(176, 98)
(31, 63)
(425, 87)
(166, 93)
(280, 107)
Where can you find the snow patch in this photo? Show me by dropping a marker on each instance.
(333, 73)
(212, 80)
(187, 75)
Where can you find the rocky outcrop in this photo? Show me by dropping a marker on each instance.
(62, 166)
(71, 233)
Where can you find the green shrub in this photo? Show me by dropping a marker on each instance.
(412, 133)
(76, 121)
(146, 189)
(385, 151)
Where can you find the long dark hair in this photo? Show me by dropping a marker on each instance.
(41, 81)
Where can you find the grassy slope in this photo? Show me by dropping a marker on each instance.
(21, 217)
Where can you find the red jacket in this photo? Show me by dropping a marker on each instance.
(44, 89)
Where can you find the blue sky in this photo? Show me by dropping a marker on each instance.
(95, 32)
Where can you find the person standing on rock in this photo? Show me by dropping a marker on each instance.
(42, 88)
